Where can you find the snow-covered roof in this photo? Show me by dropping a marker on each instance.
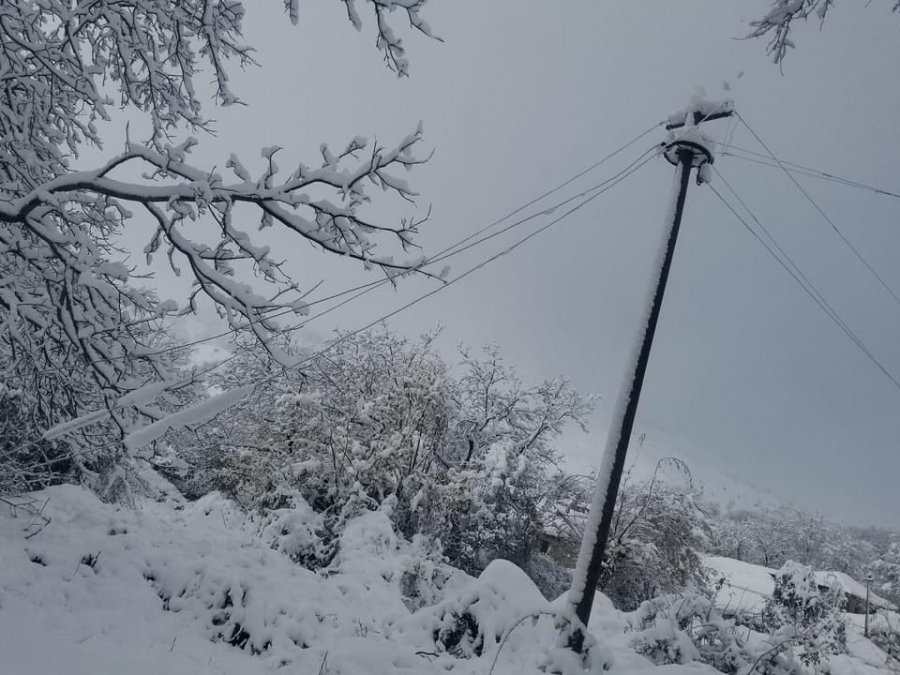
(748, 586)
(850, 586)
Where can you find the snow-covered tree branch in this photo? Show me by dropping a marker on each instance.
(70, 304)
(778, 23)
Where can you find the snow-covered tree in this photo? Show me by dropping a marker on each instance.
(658, 532)
(809, 618)
(47, 386)
(69, 301)
(777, 25)
(886, 571)
(498, 491)
(465, 457)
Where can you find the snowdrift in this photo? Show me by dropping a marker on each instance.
(203, 588)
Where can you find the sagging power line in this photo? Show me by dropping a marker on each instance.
(859, 256)
(778, 253)
(588, 196)
(729, 150)
(442, 255)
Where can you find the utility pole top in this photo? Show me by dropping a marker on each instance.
(700, 110)
(686, 143)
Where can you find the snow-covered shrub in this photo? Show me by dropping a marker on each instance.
(886, 571)
(297, 531)
(499, 494)
(658, 532)
(810, 618)
(680, 629)
(26, 462)
(45, 385)
(884, 632)
(551, 579)
(466, 461)
(369, 550)
(474, 621)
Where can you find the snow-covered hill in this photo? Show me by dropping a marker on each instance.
(197, 588)
(194, 589)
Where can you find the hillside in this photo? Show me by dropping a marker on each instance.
(177, 587)
(191, 588)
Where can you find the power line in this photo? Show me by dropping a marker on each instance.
(807, 287)
(449, 252)
(438, 257)
(442, 256)
(73, 425)
(803, 279)
(821, 212)
(553, 190)
(463, 275)
(760, 158)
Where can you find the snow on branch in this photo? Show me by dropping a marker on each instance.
(177, 194)
(78, 331)
(777, 24)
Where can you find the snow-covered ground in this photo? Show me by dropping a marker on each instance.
(193, 588)
(197, 588)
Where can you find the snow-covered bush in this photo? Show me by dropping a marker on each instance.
(886, 571)
(467, 461)
(810, 618)
(551, 578)
(658, 532)
(297, 531)
(884, 632)
(469, 624)
(500, 489)
(680, 629)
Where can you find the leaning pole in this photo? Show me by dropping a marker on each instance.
(687, 149)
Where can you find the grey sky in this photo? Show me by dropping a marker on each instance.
(746, 372)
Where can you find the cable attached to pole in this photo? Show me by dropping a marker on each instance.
(802, 280)
(824, 215)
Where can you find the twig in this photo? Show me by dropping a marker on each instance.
(533, 615)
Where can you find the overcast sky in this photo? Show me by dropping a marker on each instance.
(747, 374)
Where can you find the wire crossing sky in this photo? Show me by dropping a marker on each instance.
(747, 375)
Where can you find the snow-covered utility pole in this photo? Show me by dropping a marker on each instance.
(686, 148)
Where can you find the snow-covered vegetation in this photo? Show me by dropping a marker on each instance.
(369, 506)
(388, 511)
(207, 586)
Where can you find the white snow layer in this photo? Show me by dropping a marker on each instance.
(173, 587)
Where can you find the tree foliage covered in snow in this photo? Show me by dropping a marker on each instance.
(657, 535)
(498, 491)
(800, 612)
(659, 529)
(74, 318)
(886, 571)
(777, 25)
(772, 535)
(466, 459)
